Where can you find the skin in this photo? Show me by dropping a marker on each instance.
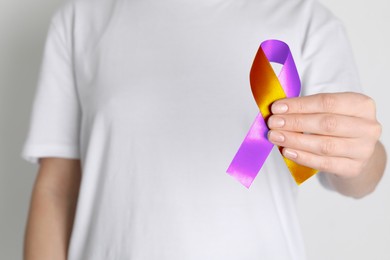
(343, 140)
(52, 209)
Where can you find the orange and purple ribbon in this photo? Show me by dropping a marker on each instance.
(267, 88)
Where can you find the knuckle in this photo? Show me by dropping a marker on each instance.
(368, 106)
(327, 147)
(363, 151)
(367, 151)
(328, 102)
(369, 102)
(377, 130)
(329, 123)
(300, 107)
(296, 123)
(374, 130)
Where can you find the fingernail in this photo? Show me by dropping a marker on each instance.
(275, 122)
(279, 108)
(275, 137)
(290, 154)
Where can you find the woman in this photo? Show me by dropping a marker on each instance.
(141, 106)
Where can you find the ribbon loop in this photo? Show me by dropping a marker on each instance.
(267, 88)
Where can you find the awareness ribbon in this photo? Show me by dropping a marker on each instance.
(267, 88)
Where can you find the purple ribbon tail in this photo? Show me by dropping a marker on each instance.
(252, 153)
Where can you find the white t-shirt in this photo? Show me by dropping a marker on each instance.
(154, 98)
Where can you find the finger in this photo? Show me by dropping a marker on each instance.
(347, 103)
(338, 165)
(320, 145)
(323, 124)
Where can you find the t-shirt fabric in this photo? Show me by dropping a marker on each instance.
(154, 98)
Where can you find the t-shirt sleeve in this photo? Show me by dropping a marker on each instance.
(55, 117)
(327, 58)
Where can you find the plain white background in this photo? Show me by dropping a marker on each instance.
(334, 227)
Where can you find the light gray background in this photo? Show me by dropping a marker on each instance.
(334, 227)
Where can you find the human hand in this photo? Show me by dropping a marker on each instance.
(333, 133)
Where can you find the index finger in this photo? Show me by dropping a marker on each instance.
(346, 103)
